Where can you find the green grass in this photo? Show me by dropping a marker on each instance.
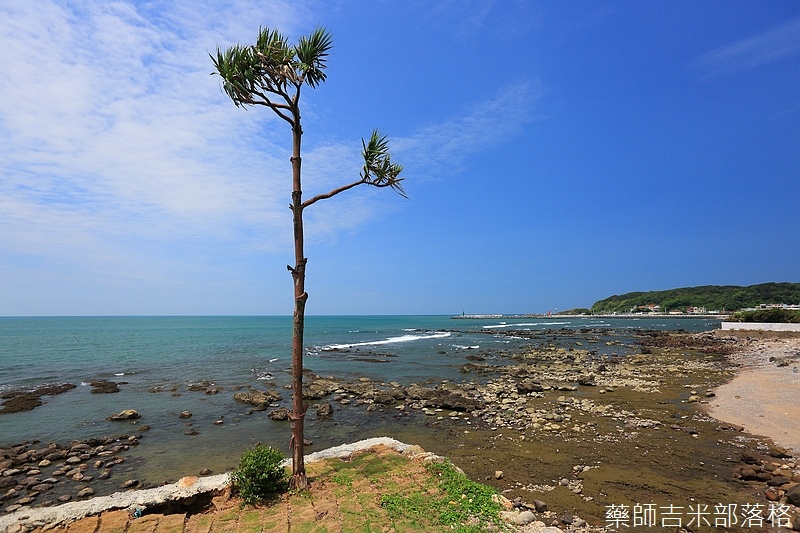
(458, 501)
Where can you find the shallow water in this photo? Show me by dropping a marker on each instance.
(168, 354)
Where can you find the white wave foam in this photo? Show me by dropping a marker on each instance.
(273, 360)
(390, 340)
(523, 324)
(466, 347)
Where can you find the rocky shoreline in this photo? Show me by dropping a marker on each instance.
(560, 423)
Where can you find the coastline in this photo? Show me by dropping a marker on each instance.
(764, 395)
(576, 431)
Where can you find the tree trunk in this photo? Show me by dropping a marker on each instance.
(299, 479)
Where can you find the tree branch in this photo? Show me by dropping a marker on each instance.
(334, 192)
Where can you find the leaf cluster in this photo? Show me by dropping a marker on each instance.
(272, 71)
(775, 316)
(259, 474)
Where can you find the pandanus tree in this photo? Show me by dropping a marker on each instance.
(271, 73)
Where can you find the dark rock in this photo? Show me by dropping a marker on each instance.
(453, 401)
(64, 498)
(43, 487)
(324, 410)
(102, 386)
(751, 458)
(748, 474)
(418, 392)
(281, 413)
(528, 385)
(764, 476)
(205, 472)
(7, 481)
(540, 506)
(185, 414)
(777, 481)
(386, 397)
(779, 453)
(259, 399)
(475, 358)
(191, 432)
(587, 380)
(130, 483)
(26, 400)
(793, 495)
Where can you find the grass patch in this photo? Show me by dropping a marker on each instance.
(461, 504)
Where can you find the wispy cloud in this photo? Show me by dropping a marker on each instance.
(119, 153)
(443, 147)
(776, 44)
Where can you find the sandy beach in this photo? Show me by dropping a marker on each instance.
(764, 396)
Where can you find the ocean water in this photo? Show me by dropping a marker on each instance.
(156, 359)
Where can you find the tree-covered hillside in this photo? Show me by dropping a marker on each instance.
(712, 297)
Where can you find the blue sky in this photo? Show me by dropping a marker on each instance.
(555, 153)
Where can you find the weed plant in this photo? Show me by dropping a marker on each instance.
(259, 474)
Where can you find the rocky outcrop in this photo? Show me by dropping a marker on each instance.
(259, 399)
(127, 414)
(28, 399)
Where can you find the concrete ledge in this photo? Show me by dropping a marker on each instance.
(187, 487)
(760, 326)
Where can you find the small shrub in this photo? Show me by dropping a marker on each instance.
(259, 474)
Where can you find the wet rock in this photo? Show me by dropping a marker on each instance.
(26, 400)
(528, 385)
(259, 399)
(64, 498)
(777, 481)
(127, 414)
(281, 413)
(779, 453)
(751, 458)
(102, 386)
(793, 495)
(324, 410)
(185, 414)
(86, 492)
(205, 472)
(540, 506)
(130, 483)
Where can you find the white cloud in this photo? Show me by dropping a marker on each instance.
(120, 156)
(778, 43)
(442, 148)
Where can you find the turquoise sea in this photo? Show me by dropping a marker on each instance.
(156, 359)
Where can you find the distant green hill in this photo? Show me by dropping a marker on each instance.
(712, 297)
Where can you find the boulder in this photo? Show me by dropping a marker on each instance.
(281, 413)
(127, 414)
(751, 458)
(259, 399)
(793, 495)
(324, 410)
(103, 386)
(529, 385)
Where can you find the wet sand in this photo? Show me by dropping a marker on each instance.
(764, 397)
